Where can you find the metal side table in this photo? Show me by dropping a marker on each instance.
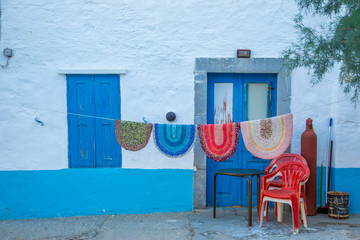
(247, 173)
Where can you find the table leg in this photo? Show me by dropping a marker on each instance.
(258, 193)
(249, 203)
(214, 206)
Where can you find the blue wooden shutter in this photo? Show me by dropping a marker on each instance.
(80, 100)
(107, 107)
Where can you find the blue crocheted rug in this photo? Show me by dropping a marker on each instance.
(174, 140)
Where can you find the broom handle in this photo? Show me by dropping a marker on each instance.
(327, 161)
(321, 185)
(331, 148)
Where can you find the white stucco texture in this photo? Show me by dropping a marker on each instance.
(157, 43)
(321, 102)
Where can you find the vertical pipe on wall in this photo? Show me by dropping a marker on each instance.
(0, 20)
(309, 151)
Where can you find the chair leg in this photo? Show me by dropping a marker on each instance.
(305, 204)
(304, 198)
(280, 210)
(260, 207)
(295, 214)
(266, 210)
(261, 213)
(303, 213)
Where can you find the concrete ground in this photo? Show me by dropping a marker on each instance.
(231, 223)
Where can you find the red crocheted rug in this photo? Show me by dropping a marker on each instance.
(219, 141)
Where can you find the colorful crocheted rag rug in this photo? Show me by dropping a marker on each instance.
(219, 141)
(132, 136)
(174, 140)
(268, 138)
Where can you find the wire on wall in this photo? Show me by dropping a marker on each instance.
(111, 119)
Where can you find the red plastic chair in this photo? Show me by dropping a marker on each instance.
(285, 157)
(277, 183)
(294, 176)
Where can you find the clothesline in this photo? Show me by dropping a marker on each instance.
(112, 119)
(264, 138)
(324, 105)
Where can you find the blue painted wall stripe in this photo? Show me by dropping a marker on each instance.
(347, 180)
(343, 180)
(77, 192)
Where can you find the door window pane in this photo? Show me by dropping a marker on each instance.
(257, 101)
(223, 103)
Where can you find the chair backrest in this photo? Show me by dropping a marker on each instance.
(292, 172)
(285, 157)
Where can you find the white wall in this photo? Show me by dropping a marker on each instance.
(322, 102)
(157, 42)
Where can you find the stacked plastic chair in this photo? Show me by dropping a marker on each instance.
(293, 175)
(277, 183)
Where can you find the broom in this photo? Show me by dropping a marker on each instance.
(323, 209)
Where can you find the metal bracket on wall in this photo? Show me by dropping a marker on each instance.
(8, 54)
(40, 122)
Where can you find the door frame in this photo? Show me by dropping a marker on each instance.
(203, 66)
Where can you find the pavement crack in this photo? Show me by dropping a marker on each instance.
(97, 231)
(191, 229)
(90, 234)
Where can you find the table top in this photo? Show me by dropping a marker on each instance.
(240, 171)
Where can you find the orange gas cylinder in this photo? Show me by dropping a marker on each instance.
(309, 151)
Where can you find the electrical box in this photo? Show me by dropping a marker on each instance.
(243, 53)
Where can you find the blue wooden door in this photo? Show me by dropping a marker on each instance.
(236, 98)
(93, 101)
(259, 100)
(223, 90)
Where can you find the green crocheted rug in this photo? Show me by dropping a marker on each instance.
(132, 136)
